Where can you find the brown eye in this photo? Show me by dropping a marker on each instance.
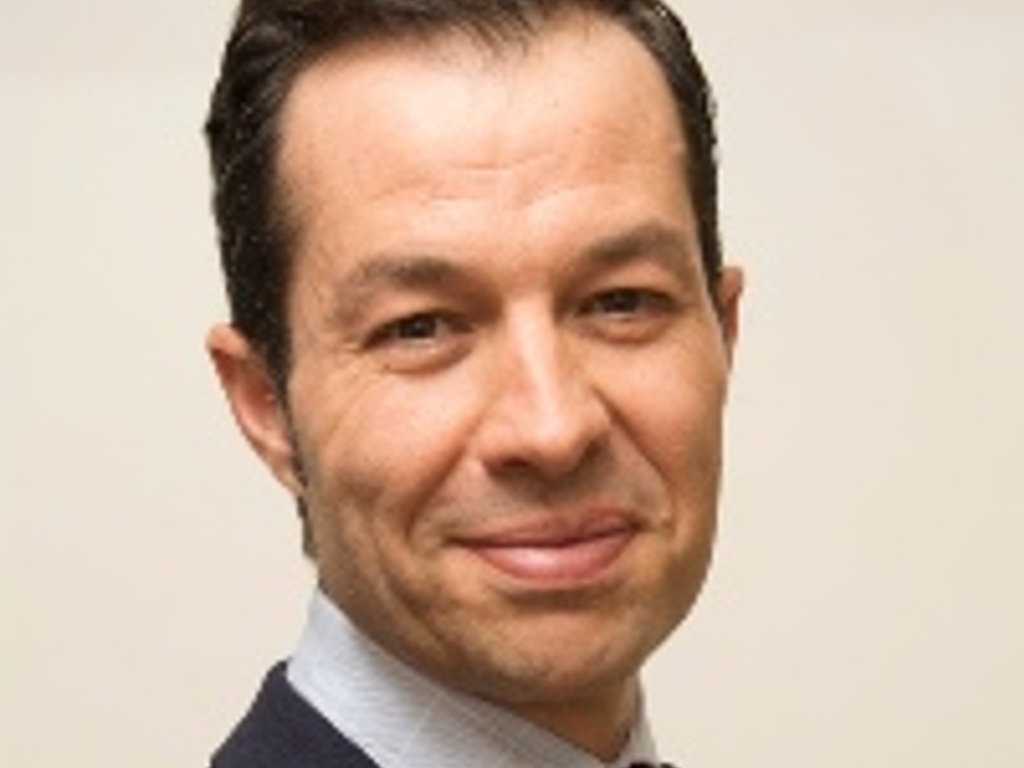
(628, 315)
(418, 328)
(420, 342)
(626, 302)
(619, 302)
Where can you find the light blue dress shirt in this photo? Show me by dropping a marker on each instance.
(403, 720)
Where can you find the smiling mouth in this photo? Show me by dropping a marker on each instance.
(555, 559)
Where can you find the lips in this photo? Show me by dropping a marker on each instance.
(556, 553)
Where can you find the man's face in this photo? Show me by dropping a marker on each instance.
(508, 375)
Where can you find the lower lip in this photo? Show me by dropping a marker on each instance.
(572, 562)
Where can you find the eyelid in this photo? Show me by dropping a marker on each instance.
(647, 298)
(390, 331)
(649, 313)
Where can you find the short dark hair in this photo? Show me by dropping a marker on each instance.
(273, 41)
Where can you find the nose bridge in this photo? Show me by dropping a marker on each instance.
(539, 372)
(546, 411)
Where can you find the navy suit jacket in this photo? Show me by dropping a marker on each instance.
(281, 730)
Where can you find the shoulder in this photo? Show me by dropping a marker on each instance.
(281, 730)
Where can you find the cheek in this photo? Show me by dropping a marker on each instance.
(380, 446)
(671, 417)
(375, 462)
(672, 411)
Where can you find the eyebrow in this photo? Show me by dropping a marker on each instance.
(404, 271)
(651, 241)
(408, 271)
(654, 241)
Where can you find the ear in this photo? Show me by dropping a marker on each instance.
(729, 291)
(255, 402)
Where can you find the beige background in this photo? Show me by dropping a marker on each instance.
(866, 606)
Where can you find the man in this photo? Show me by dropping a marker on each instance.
(481, 331)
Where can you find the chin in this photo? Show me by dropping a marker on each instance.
(560, 659)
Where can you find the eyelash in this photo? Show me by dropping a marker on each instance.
(430, 337)
(641, 301)
(410, 329)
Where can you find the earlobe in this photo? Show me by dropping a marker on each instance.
(255, 402)
(730, 291)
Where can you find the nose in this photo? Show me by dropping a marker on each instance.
(545, 412)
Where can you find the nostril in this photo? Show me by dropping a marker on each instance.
(551, 439)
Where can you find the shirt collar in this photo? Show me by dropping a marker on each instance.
(401, 719)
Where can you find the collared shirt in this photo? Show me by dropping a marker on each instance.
(401, 719)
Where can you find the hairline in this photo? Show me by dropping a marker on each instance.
(495, 36)
(517, 41)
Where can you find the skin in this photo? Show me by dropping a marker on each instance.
(508, 373)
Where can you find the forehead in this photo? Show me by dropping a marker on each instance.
(455, 98)
(455, 148)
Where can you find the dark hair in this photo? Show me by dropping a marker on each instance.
(273, 41)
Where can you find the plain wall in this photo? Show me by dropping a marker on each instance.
(865, 608)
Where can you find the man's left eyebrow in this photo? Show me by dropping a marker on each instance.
(652, 241)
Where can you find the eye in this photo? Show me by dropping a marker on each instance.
(419, 342)
(627, 302)
(628, 315)
(418, 328)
